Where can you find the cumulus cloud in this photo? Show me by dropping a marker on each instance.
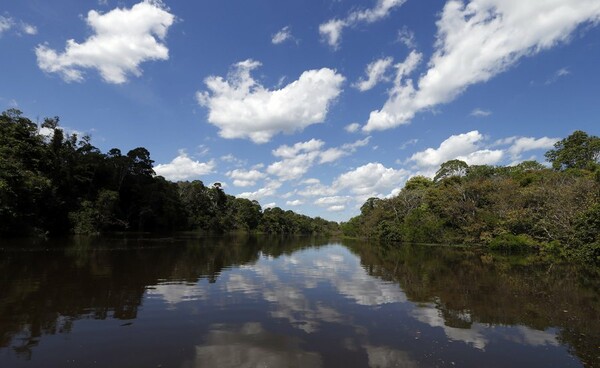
(7, 23)
(297, 159)
(327, 201)
(122, 40)
(333, 203)
(518, 145)
(286, 151)
(465, 147)
(334, 154)
(29, 29)
(184, 168)
(475, 41)
(296, 202)
(331, 31)
(300, 157)
(242, 108)
(351, 128)
(284, 34)
(375, 73)
(336, 208)
(245, 178)
(269, 190)
(371, 180)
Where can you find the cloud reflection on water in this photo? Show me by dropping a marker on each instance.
(251, 346)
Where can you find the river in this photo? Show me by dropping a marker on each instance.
(189, 301)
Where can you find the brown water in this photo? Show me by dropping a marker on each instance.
(260, 302)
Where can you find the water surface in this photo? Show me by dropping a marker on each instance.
(264, 302)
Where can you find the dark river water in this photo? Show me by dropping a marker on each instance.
(290, 302)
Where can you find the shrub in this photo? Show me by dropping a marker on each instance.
(513, 243)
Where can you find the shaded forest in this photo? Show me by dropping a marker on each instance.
(517, 208)
(55, 184)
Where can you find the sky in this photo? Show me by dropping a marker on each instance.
(312, 106)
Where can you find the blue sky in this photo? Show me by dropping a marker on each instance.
(312, 106)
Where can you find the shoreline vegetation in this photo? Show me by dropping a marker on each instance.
(54, 184)
(523, 208)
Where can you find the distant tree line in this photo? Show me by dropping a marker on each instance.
(527, 206)
(57, 184)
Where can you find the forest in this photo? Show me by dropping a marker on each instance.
(54, 184)
(517, 208)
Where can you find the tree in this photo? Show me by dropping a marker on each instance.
(577, 151)
(417, 182)
(451, 168)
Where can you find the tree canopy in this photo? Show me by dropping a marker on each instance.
(57, 183)
(527, 206)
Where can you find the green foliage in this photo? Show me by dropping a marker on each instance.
(579, 151)
(513, 243)
(57, 183)
(555, 211)
(451, 168)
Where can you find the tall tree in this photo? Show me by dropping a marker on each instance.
(577, 151)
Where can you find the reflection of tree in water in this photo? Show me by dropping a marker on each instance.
(47, 291)
(467, 286)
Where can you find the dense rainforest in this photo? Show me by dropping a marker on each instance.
(524, 207)
(55, 184)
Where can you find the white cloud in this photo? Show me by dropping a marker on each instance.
(524, 144)
(29, 29)
(371, 180)
(316, 190)
(296, 202)
(311, 181)
(286, 151)
(331, 155)
(270, 189)
(297, 159)
(336, 208)
(351, 128)
(184, 168)
(375, 73)
(359, 143)
(269, 205)
(300, 157)
(122, 40)
(331, 30)
(6, 23)
(465, 147)
(245, 178)
(282, 35)
(480, 113)
(475, 42)
(410, 142)
(407, 37)
(332, 201)
(242, 108)
(562, 72)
